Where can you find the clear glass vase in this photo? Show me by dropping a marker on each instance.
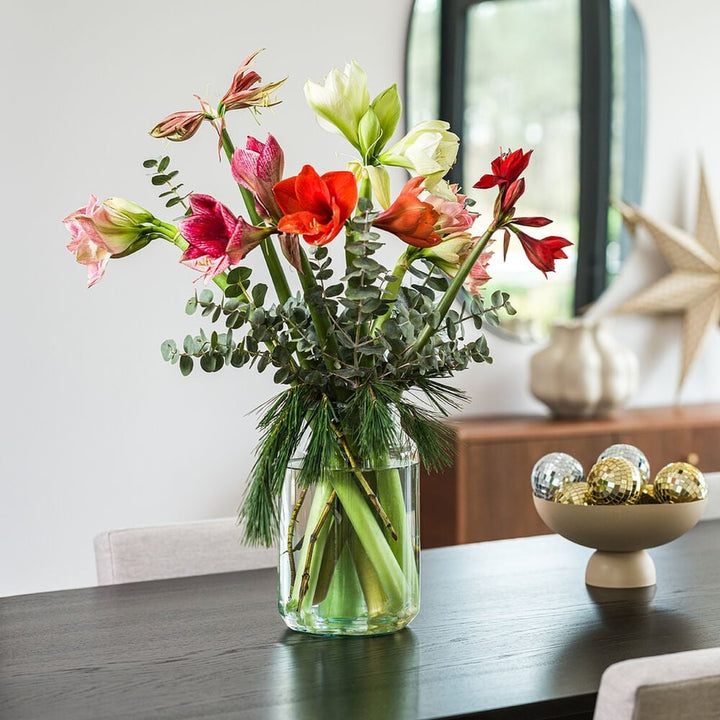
(349, 565)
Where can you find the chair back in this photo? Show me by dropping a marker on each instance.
(662, 687)
(191, 548)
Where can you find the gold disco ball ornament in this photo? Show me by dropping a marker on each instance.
(573, 493)
(614, 481)
(647, 496)
(679, 482)
(634, 455)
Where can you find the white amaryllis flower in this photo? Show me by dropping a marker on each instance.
(450, 254)
(341, 102)
(429, 149)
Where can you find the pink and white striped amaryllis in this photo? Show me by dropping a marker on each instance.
(217, 239)
(258, 167)
(103, 229)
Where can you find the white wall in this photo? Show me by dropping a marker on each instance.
(97, 431)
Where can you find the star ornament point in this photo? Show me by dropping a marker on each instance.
(692, 287)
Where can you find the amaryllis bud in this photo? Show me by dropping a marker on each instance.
(179, 126)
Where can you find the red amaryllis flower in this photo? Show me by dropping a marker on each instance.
(543, 253)
(410, 218)
(316, 206)
(217, 238)
(259, 167)
(506, 169)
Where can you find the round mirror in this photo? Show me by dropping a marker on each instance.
(562, 77)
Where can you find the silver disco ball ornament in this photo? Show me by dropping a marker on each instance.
(552, 471)
(630, 453)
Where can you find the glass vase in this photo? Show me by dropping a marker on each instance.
(350, 549)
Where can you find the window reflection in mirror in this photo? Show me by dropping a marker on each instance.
(522, 88)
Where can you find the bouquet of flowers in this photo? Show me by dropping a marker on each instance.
(361, 351)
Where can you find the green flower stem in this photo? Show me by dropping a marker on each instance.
(375, 598)
(450, 294)
(371, 496)
(393, 288)
(277, 274)
(172, 234)
(391, 495)
(345, 595)
(331, 555)
(371, 537)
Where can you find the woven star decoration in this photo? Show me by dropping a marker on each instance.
(692, 287)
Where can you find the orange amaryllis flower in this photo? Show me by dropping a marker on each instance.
(542, 253)
(316, 206)
(411, 219)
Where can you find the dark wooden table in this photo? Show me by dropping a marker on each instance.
(507, 629)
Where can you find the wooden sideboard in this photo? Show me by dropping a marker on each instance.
(486, 494)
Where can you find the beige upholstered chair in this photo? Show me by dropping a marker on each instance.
(663, 687)
(192, 548)
(712, 511)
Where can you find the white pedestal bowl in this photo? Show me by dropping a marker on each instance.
(620, 535)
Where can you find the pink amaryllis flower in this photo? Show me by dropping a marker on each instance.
(245, 90)
(453, 215)
(179, 126)
(105, 229)
(411, 219)
(217, 239)
(258, 167)
(316, 206)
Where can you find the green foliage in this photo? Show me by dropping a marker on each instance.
(161, 175)
(345, 398)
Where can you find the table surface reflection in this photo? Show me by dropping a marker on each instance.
(506, 629)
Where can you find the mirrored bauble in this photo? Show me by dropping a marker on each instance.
(614, 481)
(552, 471)
(573, 493)
(647, 496)
(632, 454)
(680, 482)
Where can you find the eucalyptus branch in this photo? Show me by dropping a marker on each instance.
(162, 177)
(320, 320)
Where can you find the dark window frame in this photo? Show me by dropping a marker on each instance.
(596, 93)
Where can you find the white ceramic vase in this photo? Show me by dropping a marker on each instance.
(584, 371)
